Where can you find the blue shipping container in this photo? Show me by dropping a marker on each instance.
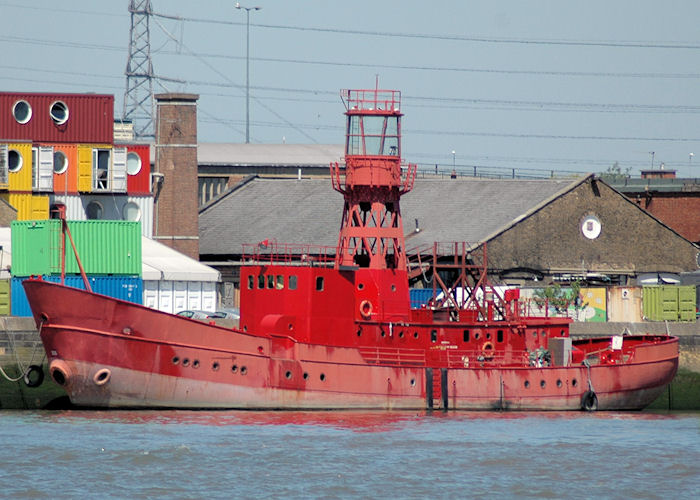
(129, 288)
(420, 297)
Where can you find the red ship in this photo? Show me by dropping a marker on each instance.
(340, 333)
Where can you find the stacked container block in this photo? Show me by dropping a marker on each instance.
(110, 252)
(63, 145)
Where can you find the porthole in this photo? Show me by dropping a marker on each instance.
(401, 334)
(393, 288)
(22, 112)
(59, 112)
(185, 362)
(60, 162)
(477, 336)
(306, 375)
(14, 160)
(322, 377)
(288, 375)
(133, 163)
(574, 382)
(559, 384)
(383, 334)
(234, 368)
(360, 286)
(215, 366)
(94, 210)
(176, 360)
(195, 363)
(415, 335)
(488, 335)
(131, 212)
(413, 382)
(543, 384)
(244, 370)
(527, 384)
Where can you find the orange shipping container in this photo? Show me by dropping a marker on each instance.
(65, 168)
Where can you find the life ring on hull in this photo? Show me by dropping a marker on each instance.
(487, 350)
(34, 376)
(366, 309)
(589, 401)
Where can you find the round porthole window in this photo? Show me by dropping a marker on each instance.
(14, 160)
(591, 227)
(22, 111)
(133, 163)
(131, 212)
(59, 112)
(60, 162)
(94, 210)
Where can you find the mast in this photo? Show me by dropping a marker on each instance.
(371, 232)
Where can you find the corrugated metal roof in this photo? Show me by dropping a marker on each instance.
(269, 154)
(309, 211)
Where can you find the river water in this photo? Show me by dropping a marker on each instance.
(190, 454)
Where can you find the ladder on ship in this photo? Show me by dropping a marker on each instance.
(436, 393)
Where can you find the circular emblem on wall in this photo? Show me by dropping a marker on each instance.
(591, 227)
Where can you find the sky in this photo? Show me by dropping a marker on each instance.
(537, 87)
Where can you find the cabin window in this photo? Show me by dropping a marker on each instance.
(101, 162)
(94, 210)
(22, 112)
(251, 282)
(131, 212)
(499, 336)
(292, 282)
(319, 283)
(14, 160)
(133, 163)
(465, 336)
(60, 162)
(280, 282)
(59, 112)
(433, 335)
(270, 281)
(261, 281)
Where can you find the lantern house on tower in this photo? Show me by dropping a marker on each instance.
(371, 233)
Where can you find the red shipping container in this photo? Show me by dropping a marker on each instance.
(138, 169)
(64, 118)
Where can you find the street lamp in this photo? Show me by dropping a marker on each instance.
(247, 68)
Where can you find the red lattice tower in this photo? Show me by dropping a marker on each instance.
(371, 232)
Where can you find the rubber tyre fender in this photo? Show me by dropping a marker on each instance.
(34, 376)
(589, 401)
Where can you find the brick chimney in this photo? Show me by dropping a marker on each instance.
(175, 186)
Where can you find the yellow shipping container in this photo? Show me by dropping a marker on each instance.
(85, 166)
(20, 166)
(28, 205)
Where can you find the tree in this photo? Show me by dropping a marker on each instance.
(615, 173)
(560, 299)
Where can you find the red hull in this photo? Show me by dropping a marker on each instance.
(110, 353)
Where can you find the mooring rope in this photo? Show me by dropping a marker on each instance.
(22, 369)
(590, 384)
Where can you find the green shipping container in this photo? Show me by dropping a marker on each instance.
(4, 297)
(104, 246)
(668, 303)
